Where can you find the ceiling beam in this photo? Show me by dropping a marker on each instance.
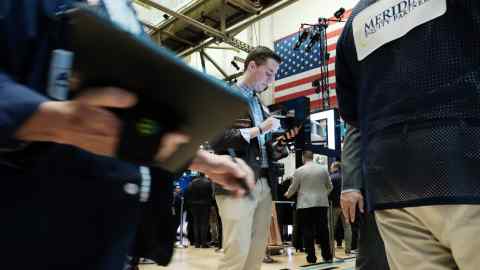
(234, 30)
(208, 29)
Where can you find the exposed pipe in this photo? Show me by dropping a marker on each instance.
(166, 23)
(217, 66)
(202, 60)
(210, 30)
(223, 48)
(232, 31)
(154, 28)
(242, 26)
(250, 6)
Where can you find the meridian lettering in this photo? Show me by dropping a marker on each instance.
(391, 15)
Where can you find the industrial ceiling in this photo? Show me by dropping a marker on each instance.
(187, 26)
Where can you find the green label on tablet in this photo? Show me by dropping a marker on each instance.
(147, 127)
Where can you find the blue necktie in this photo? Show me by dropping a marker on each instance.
(257, 114)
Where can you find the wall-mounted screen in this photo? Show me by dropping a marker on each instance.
(323, 129)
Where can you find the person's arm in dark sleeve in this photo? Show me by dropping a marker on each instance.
(28, 116)
(231, 138)
(187, 194)
(351, 198)
(211, 192)
(346, 93)
(17, 104)
(351, 160)
(238, 137)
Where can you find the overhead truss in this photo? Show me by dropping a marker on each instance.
(206, 22)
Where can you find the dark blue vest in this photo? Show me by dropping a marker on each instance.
(416, 101)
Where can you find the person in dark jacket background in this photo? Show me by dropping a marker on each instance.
(334, 197)
(64, 197)
(199, 198)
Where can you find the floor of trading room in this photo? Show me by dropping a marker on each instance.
(206, 259)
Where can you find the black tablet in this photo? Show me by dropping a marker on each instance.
(172, 95)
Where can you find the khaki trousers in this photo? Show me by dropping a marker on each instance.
(441, 237)
(246, 225)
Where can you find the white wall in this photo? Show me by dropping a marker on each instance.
(265, 32)
(155, 16)
(288, 20)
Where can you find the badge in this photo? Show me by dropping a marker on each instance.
(389, 20)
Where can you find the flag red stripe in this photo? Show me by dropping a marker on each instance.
(317, 104)
(304, 80)
(285, 86)
(331, 47)
(307, 92)
(334, 33)
(279, 87)
(331, 60)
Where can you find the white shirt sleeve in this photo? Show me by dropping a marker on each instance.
(146, 183)
(351, 190)
(245, 132)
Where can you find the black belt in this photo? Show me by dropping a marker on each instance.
(263, 173)
(412, 126)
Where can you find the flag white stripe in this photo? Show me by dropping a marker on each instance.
(332, 40)
(302, 75)
(306, 86)
(300, 88)
(315, 96)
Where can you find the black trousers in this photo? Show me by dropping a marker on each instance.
(297, 232)
(200, 214)
(312, 219)
(356, 227)
(339, 233)
(177, 215)
(220, 229)
(371, 248)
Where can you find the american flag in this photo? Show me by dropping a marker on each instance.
(300, 68)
